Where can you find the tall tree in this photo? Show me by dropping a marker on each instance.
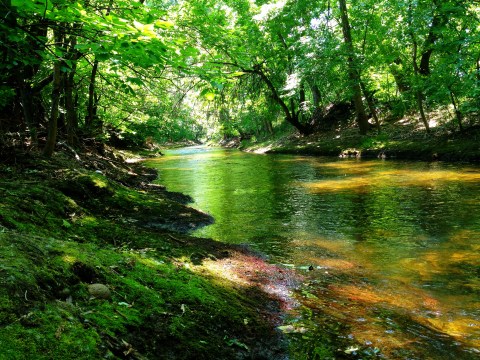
(353, 70)
(56, 91)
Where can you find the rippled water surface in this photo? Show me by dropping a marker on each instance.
(395, 246)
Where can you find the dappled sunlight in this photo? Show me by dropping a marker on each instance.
(421, 178)
(431, 264)
(196, 157)
(464, 329)
(242, 270)
(350, 167)
(398, 298)
(393, 177)
(224, 270)
(324, 255)
(381, 337)
(69, 259)
(149, 261)
(180, 169)
(322, 244)
(425, 267)
(263, 150)
(464, 257)
(348, 292)
(460, 327)
(297, 159)
(378, 316)
(466, 237)
(356, 184)
(337, 264)
(389, 316)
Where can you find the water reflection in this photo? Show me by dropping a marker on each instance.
(394, 244)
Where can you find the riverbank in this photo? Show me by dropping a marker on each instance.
(406, 142)
(77, 220)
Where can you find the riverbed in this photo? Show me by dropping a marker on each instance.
(389, 249)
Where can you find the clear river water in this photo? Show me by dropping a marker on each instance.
(389, 250)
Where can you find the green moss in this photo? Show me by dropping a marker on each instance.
(30, 206)
(59, 235)
(50, 333)
(45, 300)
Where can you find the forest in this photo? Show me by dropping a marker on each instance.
(111, 250)
(121, 72)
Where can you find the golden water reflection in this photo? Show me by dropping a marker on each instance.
(358, 292)
(399, 177)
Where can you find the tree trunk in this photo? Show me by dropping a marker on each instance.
(26, 98)
(371, 106)
(268, 125)
(317, 104)
(56, 93)
(21, 75)
(400, 79)
(92, 95)
(89, 121)
(316, 95)
(458, 114)
(302, 97)
(70, 108)
(418, 91)
(353, 72)
(301, 102)
(421, 109)
(439, 20)
(71, 113)
(290, 116)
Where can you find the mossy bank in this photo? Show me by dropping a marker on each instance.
(73, 221)
(403, 143)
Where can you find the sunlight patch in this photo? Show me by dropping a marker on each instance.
(270, 9)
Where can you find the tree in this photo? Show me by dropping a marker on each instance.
(56, 92)
(89, 70)
(353, 70)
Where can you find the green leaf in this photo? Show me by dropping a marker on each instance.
(217, 85)
(235, 342)
(135, 80)
(210, 96)
(146, 30)
(190, 51)
(164, 24)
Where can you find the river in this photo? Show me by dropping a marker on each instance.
(389, 249)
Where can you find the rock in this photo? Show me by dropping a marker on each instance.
(99, 291)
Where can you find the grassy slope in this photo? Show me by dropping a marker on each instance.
(63, 226)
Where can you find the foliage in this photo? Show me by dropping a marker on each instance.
(196, 69)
